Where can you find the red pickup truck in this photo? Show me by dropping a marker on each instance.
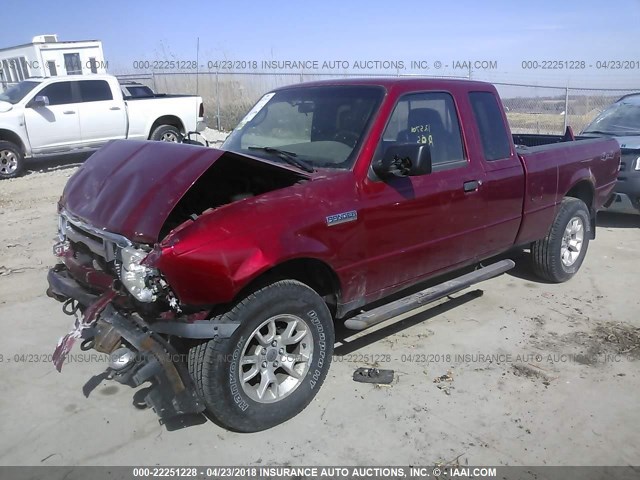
(218, 274)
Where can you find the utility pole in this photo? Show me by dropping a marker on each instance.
(197, 65)
(566, 107)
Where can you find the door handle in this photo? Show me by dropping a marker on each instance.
(472, 185)
(69, 112)
(114, 108)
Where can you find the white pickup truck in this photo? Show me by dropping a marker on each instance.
(68, 114)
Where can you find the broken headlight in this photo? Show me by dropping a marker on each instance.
(134, 276)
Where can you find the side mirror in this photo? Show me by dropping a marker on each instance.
(40, 101)
(404, 160)
(306, 107)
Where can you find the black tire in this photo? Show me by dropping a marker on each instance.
(11, 160)
(546, 254)
(215, 365)
(195, 360)
(163, 132)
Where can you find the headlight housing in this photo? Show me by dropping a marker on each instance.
(637, 165)
(134, 275)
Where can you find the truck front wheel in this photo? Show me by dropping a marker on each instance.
(11, 160)
(558, 256)
(273, 364)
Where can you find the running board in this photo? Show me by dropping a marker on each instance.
(423, 297)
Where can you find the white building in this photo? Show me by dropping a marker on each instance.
(45, 56)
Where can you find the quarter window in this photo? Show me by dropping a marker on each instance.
(493, 133)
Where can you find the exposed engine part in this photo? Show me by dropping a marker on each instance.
(106, 338)
(121, 359)
(173, 392)
(241, 196)
(169, 296)
(229, 180)
(175, 304)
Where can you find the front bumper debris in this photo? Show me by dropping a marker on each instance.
(62, 287)
(173, 392)
(103, 328)
(82, 328)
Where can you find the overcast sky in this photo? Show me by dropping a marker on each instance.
(400, 30)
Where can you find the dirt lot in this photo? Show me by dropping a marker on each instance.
(529, 373)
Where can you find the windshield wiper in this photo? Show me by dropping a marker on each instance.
(289, 157)
(624, 130)
(600, 132)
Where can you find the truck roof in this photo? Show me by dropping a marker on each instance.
(388, 82)
(633, 98)
(93, 76)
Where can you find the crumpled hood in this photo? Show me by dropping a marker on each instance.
(130, 187)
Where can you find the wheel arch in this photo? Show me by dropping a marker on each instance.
(585, 191)
(313, 272)
(167, 120)
(13, 137)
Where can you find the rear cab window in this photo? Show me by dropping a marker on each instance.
(428, 118)
(138, 92)
(493, 131)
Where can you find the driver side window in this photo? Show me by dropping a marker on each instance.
(59, 93)
(429, 119)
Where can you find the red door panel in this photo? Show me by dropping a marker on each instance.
(416, 226)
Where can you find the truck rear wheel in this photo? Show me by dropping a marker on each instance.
(11, 160)
(166, 133)
(274, 363)
(559, 255)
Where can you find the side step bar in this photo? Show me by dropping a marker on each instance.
(423, 297)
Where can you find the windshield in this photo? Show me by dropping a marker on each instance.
(16, 93)
(619, 119)
(321, 126)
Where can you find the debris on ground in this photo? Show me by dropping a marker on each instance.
(444, 382)
(373, 375)
(532, 372)
(8, 271)
(621, 338)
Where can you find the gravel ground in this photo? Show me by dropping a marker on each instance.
(215, 137)
(527, 373)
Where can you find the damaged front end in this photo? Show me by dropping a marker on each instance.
(118, 217)
(124, 308)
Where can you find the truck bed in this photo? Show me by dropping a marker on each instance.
(536, 139)
(552, 160)
(157, 95)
